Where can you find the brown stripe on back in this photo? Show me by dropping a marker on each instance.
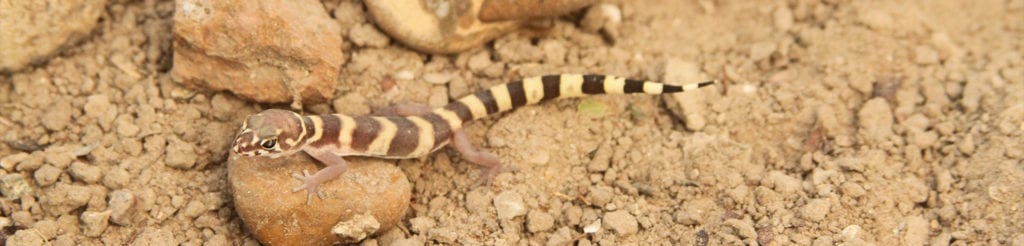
(406, 138)
(487, 98)
(441, 129)
(330, 131)
(366, 130)
(461, 110)
(551, 86)
(516, 93)
(633, 86)
(593, 84)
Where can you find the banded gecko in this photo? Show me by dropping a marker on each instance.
(410, 131)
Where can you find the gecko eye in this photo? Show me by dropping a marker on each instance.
(268, 143)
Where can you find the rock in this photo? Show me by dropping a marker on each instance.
(875, 120)
(917, 231)
(621, 222)
(267, 51)
(782, 17)
(357, 228)
(99, 108)
(366, 35)
(94, 223)
(761, 50)
(264, 199)
(47, 175)
(121, 206)
(602, 17)
(180, 154)
(509, 204)
(116, 178)
(815, 210)
(601, 195)
(436, 26)
(26, 237)
(35, 30)
(13, 186)
(63, 198)
(538, 221)
(84, 172)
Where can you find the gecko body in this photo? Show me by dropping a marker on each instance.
(415, 131)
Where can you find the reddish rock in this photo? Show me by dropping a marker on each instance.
(31, 31)
(263, 197)
(270, 51)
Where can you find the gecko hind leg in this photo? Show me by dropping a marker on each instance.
(489, 162)
(335, 166)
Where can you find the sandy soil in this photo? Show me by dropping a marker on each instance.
(867, 122)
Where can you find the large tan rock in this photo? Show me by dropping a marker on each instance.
(371, 197)
(31, 31)
(270, 51)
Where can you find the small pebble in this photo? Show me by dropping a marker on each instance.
(84, 172)
(537, 221)
(192, 210)
(621, 222)
(47, 175)
(760, 51)
(917, 231)
(24, 238)
(180, 154)
(601, 195)
(509, 204)
(13, 186)
(116, 178)
(422, 224)
(850, 232)
(356, 229)
(121, 206)
(782, 18)
(367, 35)
(815, 210)
(94, 223)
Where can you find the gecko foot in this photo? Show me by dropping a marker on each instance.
(308, 183)
(311, 183)
(487, 173)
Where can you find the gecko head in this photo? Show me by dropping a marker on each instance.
(272, 133)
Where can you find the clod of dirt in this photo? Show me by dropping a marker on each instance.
(815, 210)
(94, 223)
(509, 204)
(357, 228)
(621, 222)
(13, 186)
(437, 27)
(539, 221)
(263, 196)
(278, 51)
(35, 30)
(122, 207)
(875, 120)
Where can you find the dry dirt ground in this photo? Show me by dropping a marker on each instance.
(839, 122)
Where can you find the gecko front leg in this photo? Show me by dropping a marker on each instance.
(335, 166)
